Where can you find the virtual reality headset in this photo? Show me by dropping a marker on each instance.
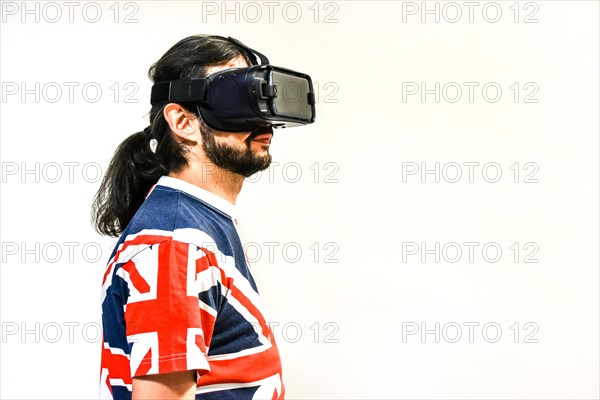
(242, 99)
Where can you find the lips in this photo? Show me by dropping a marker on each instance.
(263, 138)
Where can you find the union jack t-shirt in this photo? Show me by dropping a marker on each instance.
(178, 295)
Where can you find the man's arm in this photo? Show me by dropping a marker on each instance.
(174, 385)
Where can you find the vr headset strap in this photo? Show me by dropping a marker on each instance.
(253, 53)
(183, 90)
(250, 53)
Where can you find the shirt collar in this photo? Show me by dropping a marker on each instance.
(209, 197)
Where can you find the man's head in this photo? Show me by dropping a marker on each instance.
(181, 133)
(243, 153)
(182, 139)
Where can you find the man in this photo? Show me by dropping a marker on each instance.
(182, 316)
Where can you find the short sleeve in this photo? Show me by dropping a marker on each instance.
(168, 327)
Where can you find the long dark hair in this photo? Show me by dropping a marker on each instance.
(134, 168)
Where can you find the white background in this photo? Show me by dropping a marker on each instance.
(360, 209)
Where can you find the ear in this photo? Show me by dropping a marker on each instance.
(181, 122)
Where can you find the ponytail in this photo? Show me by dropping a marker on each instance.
(131, 173)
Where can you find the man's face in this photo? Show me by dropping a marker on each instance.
(243, 153)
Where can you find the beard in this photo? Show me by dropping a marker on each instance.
(243, 162)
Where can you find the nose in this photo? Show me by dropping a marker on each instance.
(261, 129)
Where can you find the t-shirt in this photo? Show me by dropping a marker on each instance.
(178, 295)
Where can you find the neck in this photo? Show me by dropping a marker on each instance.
(208, 176)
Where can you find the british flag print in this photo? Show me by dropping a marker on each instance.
(178, 295)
